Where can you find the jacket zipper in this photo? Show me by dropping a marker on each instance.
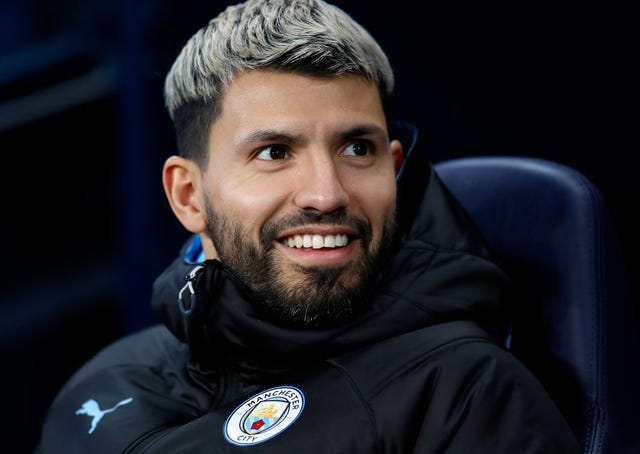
(229, 391)
(142, 442)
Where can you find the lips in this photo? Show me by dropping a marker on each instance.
(316, 241)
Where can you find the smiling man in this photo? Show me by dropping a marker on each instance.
(333, 296)
(298, 194)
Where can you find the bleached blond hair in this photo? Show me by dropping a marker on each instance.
(309, 37)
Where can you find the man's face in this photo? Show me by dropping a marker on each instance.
(300, 191)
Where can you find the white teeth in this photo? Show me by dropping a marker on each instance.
(316, 241)
(306, 241)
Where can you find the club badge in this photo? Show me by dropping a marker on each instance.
(264, 415)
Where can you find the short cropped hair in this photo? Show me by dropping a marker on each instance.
(309, 37)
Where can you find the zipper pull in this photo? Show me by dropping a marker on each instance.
(187, 297)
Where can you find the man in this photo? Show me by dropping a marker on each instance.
(325, 308)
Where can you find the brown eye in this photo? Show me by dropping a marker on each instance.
(272, 153)
(357, 148)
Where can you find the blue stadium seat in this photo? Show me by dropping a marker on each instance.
(574, 322)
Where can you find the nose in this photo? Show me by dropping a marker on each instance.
(320, 186)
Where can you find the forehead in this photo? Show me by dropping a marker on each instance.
(261, 99)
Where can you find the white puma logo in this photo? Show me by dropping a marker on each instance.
(91, 408)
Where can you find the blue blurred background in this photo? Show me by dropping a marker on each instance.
(83, 135)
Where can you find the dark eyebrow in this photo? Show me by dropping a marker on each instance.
(362, 130)
(271, 135)
(276, 136)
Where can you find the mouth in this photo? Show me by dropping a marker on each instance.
(315, 241)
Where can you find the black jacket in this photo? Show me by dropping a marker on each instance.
(420, 370)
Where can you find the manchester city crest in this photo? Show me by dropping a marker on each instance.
(264, 415)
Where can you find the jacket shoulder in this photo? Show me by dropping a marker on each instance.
(135, 386)
(451, 385)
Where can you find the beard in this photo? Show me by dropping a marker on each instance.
(293, 294)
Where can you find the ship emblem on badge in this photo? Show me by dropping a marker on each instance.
(263, 415)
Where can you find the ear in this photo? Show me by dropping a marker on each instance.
(397, 153)
(182, 179)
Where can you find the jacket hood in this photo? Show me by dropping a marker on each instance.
(440, 270)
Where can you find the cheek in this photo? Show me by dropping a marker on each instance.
(250, 205)
(377, 197)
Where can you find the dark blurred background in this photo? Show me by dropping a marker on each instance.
(83, 136)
